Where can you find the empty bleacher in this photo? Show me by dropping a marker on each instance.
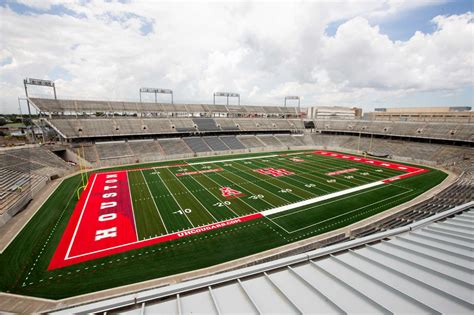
(250, 141)
(197, 144)
(206, 124)
(174, 146)
(113, 150)
(270, 141)
(289, 140)
(145, 148)
(216, 144)
(226, 124)
(183, 125)
(232, 142)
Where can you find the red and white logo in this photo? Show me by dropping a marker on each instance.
(229, 192)
(274, 172)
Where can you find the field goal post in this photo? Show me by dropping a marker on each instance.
(83, 171)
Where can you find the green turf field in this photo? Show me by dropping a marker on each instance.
(165, 203)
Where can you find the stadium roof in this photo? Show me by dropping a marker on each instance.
(425, 267)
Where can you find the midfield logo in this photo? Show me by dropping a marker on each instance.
(274, 172)
(230, 193)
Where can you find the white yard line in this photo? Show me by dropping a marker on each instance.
(274, 178)
(319, 199)
(154, 202)
(266, 181)
(241, 199)
(218, 200)
(80, 218)
(180, 208)
(343, 214)
(194, 197)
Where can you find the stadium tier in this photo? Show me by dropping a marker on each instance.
(23, 173)
(81, 106)
(433, 130)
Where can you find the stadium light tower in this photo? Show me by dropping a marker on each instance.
(38, 82)
(227, 95)
(293, 98)
(156, 92)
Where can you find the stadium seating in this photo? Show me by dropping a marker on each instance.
(216, 144)
(174, 146)
(270, 141)
(113, 150)
(250, 141)
(226, 124)
(23, 172)
(197, 144)
(232, 142)
(290, 140)
(206, 124)
(183, 125)
(142, 148)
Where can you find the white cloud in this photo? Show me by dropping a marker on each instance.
(261, 50)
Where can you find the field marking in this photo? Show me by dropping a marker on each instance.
(205, 208)
(334, 166)
(278, 164)
(180, 208)
(343, 214)
(211, 192)
(154, 202)
(262, 213)
(316, 174)
(80, 218)
(281, 180)
(188, 232)
(237, 184)
(319, 159)
(285, 201)
(131, 202)
(321, 198)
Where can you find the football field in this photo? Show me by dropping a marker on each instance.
(295, 193)
(141, 222)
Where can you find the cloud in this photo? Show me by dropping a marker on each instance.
(262, 50)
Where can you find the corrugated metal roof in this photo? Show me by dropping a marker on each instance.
(427, 270)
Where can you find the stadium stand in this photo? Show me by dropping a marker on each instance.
(111, 150)
(216, 144)
(250, 141)
(206, 124)
(197, 144)
(23, 173)
(183, 125)
(232, 142)
(227, 124)
(174, 146)
(289, 140)
(446, 131)
(270, 141)
(145, 148)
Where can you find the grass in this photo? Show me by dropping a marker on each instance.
(157, 197)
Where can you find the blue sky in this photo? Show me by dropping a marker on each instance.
(109, 49)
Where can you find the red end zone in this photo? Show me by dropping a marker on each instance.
(410, 170)
(103, 223)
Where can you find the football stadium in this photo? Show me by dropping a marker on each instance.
(236, 157)
(151, 195)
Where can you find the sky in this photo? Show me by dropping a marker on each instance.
(380, 53)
